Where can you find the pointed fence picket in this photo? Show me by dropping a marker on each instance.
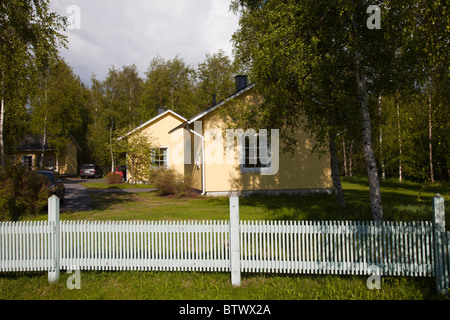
(310, 247)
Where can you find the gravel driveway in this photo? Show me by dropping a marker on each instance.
(77, 196)
(78, 199)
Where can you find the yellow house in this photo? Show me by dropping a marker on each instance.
(237, 161)
(62, 161)
(168, 148)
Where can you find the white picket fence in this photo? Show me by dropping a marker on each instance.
(335, 247)
(145, 245)
(26, 246)
(319, 247)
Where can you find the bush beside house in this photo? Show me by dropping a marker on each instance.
(170, 182)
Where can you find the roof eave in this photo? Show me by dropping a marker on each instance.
(209, 110)
(152, 120)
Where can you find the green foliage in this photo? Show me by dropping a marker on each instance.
(29, 38)
(169, 84)
(302, 55)
(22, 192)
(114, 106)
(215, 77)
(138, 149)
(59, 106)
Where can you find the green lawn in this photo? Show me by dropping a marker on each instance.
(138, 285)
(401, 201)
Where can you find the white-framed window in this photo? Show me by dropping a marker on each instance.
(255, 155)
(27, 162)
(160, 157)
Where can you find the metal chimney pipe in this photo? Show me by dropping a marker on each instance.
(240, 82)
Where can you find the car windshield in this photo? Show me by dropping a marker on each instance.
(48, 175)
(87, 166)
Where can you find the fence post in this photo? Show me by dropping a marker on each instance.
(235, 242)
(439, 232)
(53, 219)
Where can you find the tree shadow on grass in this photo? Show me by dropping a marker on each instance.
(311, 207)
(105, 200)
(397, 206)
(400, 203)
(404, 187)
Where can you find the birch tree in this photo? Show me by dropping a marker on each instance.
(115, 105)
(380, 137)
(426, 37)
(28, 37)
(292, 47)
(308, 59)
(58, 108)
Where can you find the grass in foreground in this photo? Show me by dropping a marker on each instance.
(137, 285)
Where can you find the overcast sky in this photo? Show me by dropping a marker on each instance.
(116, 33)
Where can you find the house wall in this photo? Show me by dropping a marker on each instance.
(299, 172)
(157, 132)
(20, 154)
(67, 161)
(196, 167)
(49, 158)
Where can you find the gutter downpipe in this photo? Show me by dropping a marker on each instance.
(203, 158)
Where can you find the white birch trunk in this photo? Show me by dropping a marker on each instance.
(400, 174)
(2, 117)
(110, 145)
(429, 137)
(369, 157)
(350, 157)
(383, 173)
(44, 141)
(344, 155)
(44, 136)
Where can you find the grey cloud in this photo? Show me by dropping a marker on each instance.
(125, 32)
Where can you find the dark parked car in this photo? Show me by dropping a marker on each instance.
(122, 170)
(55, 186)
(90, 170)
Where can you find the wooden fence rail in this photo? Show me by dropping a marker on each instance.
(418, 248)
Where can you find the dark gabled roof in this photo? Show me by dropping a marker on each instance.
(221, 103)
(214, 107)
(33, 142)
